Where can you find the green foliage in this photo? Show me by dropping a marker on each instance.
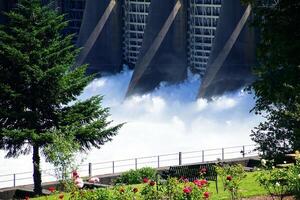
(38, 84)
(126, 193)
(294, 177)
(62, 154)
(277, 88)
(282, 181)
(152, 191)
(173, 189)
(136, 176)
(249, 187)
(275, 181)
(147, 172)
(129, 177)
(232, 176)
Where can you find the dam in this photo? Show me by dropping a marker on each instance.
(163, 41)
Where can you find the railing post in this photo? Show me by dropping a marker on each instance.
(113, 167)
(158, 164)
(14, 179)
(90, 169)
(243, 151)
(180, 158)
(202, 155)
(223, 154)
(136, 164)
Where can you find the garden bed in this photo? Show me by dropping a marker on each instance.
(268, 198)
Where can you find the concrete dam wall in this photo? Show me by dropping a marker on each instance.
(161, 41)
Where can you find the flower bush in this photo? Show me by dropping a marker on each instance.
(171, 189)
(275, 181)
(231, 176)
(294, 177)
(283, 181)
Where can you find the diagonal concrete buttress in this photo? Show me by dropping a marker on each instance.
(233, 54)
(163, 53)
(101, 36)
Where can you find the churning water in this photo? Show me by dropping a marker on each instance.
(170, 119)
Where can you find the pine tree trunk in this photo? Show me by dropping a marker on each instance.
(37, 178)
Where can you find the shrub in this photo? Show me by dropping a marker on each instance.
(280, 182)
(172, 189)
(152, 191)
(136, 176)
(275, 181)
(129, 177)
(231, 176)
(147, 172)
(294, 177)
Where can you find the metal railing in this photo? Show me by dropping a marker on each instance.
(117, 166)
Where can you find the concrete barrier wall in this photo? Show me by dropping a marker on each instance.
(101, 36)
(233, 54)
(163, 56)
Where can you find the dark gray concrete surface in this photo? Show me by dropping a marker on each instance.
(234, 71)
(163, 57)
(105, 53)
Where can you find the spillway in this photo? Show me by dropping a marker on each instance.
(162, 41)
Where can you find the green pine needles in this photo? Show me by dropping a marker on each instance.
(37, 84)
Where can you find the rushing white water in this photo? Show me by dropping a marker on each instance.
(166, 120)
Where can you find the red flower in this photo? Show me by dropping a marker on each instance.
(152, 183)
(203, 171)
(145, 180)
(206, 195)
(61, 196)
(229, 178)
(187, 190)
(135, 190)
(198, 182)
(51, 189)
(75, 174)
(204, 182)
(121, 190)
(27, 198)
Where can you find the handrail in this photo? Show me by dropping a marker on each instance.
(163, 160)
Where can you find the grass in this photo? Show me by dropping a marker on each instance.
(249, 188)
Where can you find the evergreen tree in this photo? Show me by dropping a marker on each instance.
(38, 87)
(277, 88)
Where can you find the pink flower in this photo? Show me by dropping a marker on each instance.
(206, 195)
(203, 171)
(204, 182)
(145, 180)
(187, 190)
(198, 182)
(229, 178)
(94, 180)
(79, 182)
